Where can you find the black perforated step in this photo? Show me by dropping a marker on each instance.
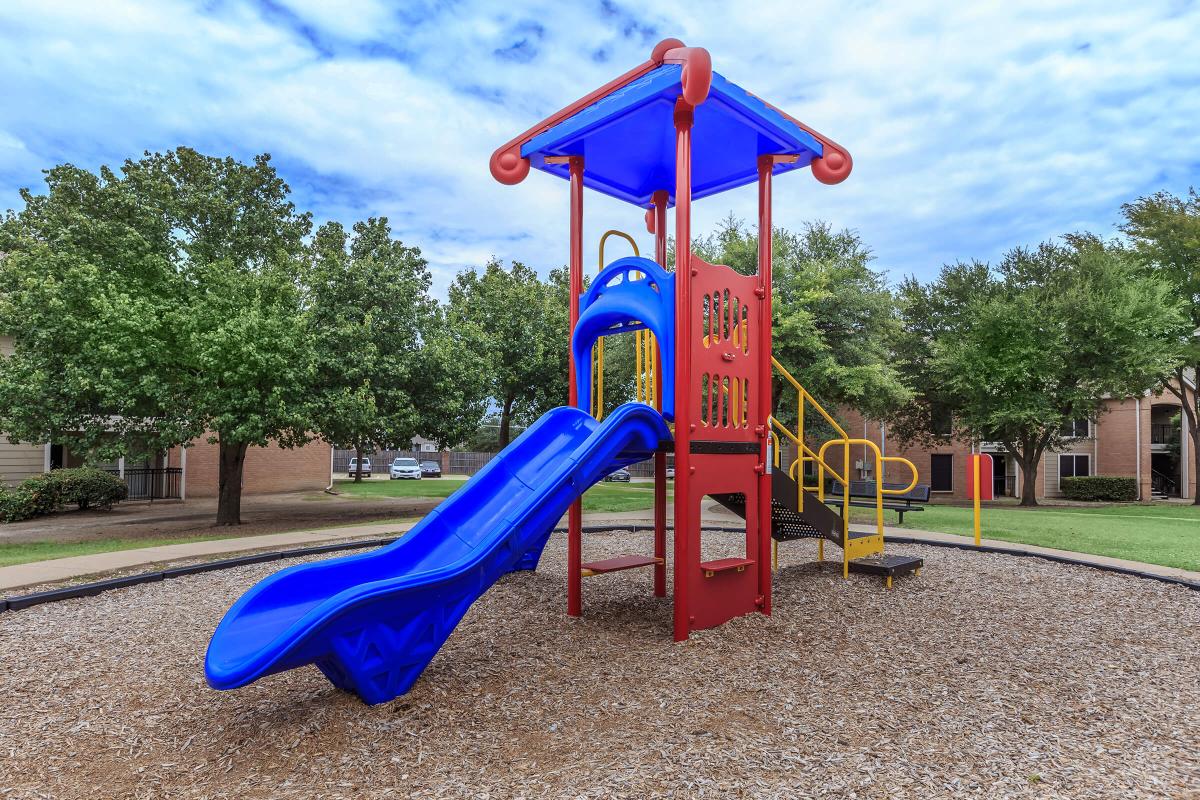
(817, 520)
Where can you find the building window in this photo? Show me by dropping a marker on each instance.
(941, 472)
(1076, 429)
(941, 421)
(1073, 466)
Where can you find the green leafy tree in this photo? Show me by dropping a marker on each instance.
(833, 318)
(370, 314)
(158, 304)
(1014, 354)
(513, 323)
(1165, 234)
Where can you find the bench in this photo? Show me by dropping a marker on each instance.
(862, 495)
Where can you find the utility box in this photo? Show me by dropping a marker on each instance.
(986, 486)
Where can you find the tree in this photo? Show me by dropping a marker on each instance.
(833, 317)
(383, 371)
(1165, 234)
(158, 304)
(1016, 353)
(515, 326)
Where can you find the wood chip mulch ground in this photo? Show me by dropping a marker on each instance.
(986, 676)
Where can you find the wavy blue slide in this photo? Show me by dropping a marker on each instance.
(372, 622)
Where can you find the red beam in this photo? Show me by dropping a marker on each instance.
(683, 373)
(575, 515)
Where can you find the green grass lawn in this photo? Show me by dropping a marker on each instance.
(26, 552)
(1166, 534)
(602, 497)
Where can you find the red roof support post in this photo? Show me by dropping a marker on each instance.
(575, 515)
(658, 217)
(765, 254)
(685, 559)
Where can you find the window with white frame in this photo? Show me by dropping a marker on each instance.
(1073, 465)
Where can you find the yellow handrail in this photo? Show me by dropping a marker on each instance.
(645, 386)
(805, 454)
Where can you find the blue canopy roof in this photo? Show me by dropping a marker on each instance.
(627, 139)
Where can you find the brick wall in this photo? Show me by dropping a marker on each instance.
(1119, 443)
(268, 469)
(1114, 448)
(921, 457)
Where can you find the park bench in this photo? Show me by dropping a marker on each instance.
(862, 495)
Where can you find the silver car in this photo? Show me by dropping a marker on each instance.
(406, 469)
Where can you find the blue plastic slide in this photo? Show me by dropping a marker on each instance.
(372, 622)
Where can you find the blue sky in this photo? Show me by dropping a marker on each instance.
(974, 126)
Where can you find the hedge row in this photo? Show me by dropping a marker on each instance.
(47, 493)
(1100, 488)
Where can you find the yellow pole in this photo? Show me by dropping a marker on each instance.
(975, 484)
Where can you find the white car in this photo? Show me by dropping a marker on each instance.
(353, 468)
(405, 468)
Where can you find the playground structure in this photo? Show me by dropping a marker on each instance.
(662, 135)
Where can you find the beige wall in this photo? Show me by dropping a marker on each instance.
(19, 461)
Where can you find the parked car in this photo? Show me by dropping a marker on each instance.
(431, 469)
(670, 473)
(620, 476)
(406, 469)
(353, 468)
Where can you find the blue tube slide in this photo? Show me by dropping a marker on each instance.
(372, 622)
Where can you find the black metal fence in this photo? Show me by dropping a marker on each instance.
(1164, 434)
(152, 483)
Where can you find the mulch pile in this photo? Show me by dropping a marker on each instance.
(986, 676)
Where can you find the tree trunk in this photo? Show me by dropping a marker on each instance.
(1195, 464)
(1190, 405)
(358, 464)
(1028, 483)
(505, 417)
(232, 457)
(1193, 427)
(1028, 456)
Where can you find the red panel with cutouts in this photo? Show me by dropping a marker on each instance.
(724, 359)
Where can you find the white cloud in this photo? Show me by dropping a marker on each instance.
(973, 126)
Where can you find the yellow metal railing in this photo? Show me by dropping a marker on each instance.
(646, 388)
(805, 454)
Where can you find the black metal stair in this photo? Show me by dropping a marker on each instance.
(817, 520)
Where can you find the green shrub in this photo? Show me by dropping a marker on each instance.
(1100, 488)
(90, 488)
(16, 504)
(47, 493)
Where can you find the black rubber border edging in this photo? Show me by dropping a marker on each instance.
(20, 602)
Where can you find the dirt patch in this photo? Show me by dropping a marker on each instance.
(986, 676)
(260, 514)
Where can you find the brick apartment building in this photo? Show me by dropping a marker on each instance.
(1138, 437)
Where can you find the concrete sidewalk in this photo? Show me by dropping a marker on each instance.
(63, 569)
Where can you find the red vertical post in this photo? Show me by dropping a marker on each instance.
(660, 459)
(765, 166)
(683, 371)
(575, 515)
